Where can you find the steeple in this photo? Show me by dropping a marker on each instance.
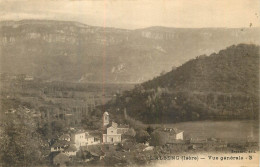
(105, 119)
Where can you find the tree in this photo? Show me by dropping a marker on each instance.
(83, 154)
(20, 144)
(142, 136)
(158, 138)
(130, 134)
(150, 129)
(57, 126)
(91, 122)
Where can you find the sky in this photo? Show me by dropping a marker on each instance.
(134, 14)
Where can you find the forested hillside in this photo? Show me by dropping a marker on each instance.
(220, 86)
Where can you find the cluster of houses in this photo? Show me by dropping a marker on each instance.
(68, 145)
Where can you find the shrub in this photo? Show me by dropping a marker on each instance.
(142, 136)
(158, 139)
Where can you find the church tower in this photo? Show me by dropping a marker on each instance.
(105, 119)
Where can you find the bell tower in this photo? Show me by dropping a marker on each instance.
(105, 119)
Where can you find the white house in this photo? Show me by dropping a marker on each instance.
(179, 135)
(91, 140)
(112, 135)
(79, 139)
(83, 138)
(174, 133)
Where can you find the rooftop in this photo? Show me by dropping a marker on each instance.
(71, 148)
(88, 136)
(61, 143)
(114, 125)
(64, 136)
(172, 130)
(123, 126)
(80, 132)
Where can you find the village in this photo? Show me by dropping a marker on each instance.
(68, 146)
(119, 144)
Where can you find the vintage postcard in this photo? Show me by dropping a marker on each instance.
(129, 83)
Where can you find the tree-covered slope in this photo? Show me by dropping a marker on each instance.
(220, 86)
(234, 69)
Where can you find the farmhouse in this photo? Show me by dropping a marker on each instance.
(174, 133)
(79, 139)
(59, 145)
(82, 138)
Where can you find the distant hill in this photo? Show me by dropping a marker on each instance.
(75, 52)
(220, 86)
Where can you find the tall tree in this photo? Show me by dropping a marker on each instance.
(20, 144)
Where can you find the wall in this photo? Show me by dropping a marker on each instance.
(179, 136)
(111, 131)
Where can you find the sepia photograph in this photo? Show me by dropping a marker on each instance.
(129, 83)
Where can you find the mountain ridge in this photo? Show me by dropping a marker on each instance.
(76, 52)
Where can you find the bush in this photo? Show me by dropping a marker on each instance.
(150, 129)
(158, 139)
(142, 136)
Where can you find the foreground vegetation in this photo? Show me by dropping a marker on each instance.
(35, 113)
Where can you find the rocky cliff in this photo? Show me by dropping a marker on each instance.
(71, 51)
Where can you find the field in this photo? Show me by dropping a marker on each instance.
(236, 130)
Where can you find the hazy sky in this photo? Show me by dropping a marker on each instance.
(133, 14)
